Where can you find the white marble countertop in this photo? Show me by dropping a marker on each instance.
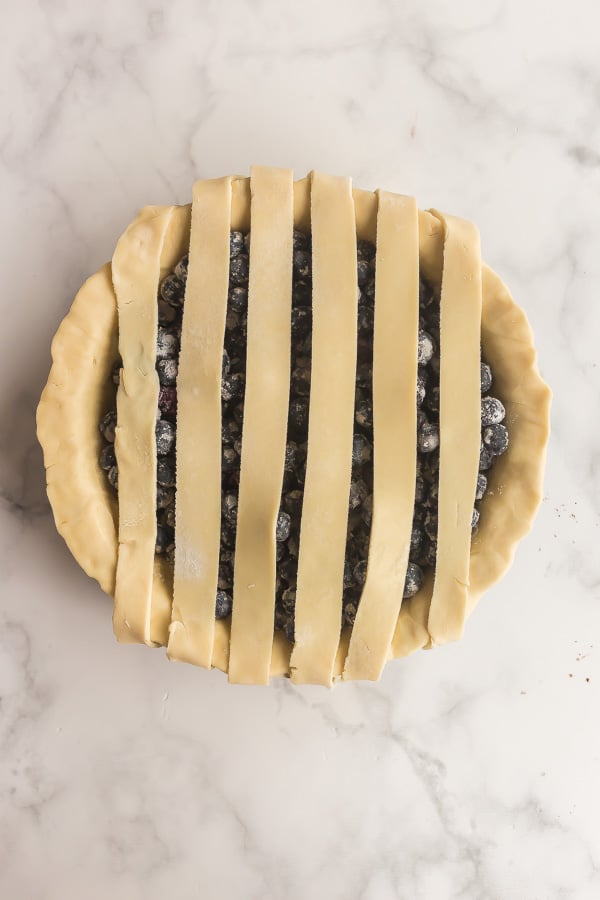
(469, 772)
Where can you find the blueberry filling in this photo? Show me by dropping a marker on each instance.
(423, 546)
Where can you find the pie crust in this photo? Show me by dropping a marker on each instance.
(115, 312)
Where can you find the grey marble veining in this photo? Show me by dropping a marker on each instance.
(469, 772)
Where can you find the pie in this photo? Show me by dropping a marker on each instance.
(294, 428)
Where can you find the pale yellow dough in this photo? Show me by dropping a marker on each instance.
(136, 276)
(324, 521)
(198, 503)
(265, 424)
(395, 343)
(78, 392)
(460, 425)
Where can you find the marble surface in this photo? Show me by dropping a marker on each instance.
(470, 772)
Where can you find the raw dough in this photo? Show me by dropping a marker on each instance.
(136, 275)
(265, 423)
(198, 501)
(77, 393)
(395, 346)
(330, 429)
(460, 425)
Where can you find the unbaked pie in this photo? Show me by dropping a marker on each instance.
(294, 428)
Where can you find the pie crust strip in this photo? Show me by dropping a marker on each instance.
(460, 424)
(136, 275)
(265, 423)
(198, 499)
(330, 429)
(395, 344)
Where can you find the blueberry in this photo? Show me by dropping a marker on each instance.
(229, 459)
(225, 579)
(280, 552)
(165, 437)
(428, 438)
(167, 401)
(107, 457)
(238, 299)
(425, 294)
(113, 477)
(348, 573)
(165, 473)
(486, 458)
(236, 243)
(283, 526)
(164, 539)
(359, 572)
(366, 510)
(302, 293)
(280, 618)
(172, 291)
(426, 347)
(481, 486)
(301, 322)
(107, 426)
(298, 416)
(364, 414)
(430, 524)
(369, 292)
(181, 269)
(302, 264)
(166, 313)
(291, 456)
(349, 613)
(358, 492)
(301, 240)
(225, 364)
(432, 400)
(413, 581)
(239, 268)
(420, 389)
(420, 489)
(427, 556)
(361, 450)
(486, 377)
(364, 272)
(474, 519)
(167, 371)
(232, 325)
(364, 376)
(365, 249)
(230, 509)
(238, 413)
(432, 321)
(300, 382)
(492, 411)
(232, 386)
(223, 605)
(416, 540)
(432, 493)
(227, 537)
(167, 516)
(165, 496)
(495, 438)
(167, 344)
(288, 601)
(365, 320)
(292, 502)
